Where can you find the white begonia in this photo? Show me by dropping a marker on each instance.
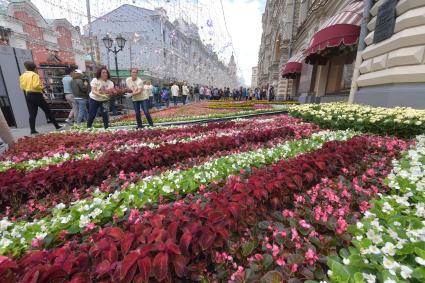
(389, 249)
(390, 281)
(390, 265)
(374, 237)
(369, 278)
(405, 271)
(373, 250)
(60, 206)
(346, 261)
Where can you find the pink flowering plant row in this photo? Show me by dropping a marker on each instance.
(18, 235)
(293, 244)
(181, 240)
(389, 241)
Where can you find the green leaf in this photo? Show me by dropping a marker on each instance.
(419, 273)
(339, 271)
(264, 225)
(295, 258)
(267, 261)
(358, 278)
(272, 277)
(420, 252)
(248, 248)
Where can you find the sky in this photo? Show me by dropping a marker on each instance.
(243, 18)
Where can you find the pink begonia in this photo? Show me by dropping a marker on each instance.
(342, 226)
(299, 199)
(36, 243)
(122, 175)
(304, 224)
(280, 262)
(288, 213)
(134, 215)
(90, 226)
(283, 234)
(269, 247)
(364, 178)
(259, 257)
(364, 206)
(275, 250)
(313, 234)
(294, 235)
(311, 256)
(294, 267)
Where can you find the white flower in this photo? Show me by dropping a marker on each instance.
(374, 250)
(420, 260)
(370, 278)
(390, 281)
(375, 238)
(359, 225)
(60, 206)
(390, 265)
(389, 249)
(346, 261)
(406, 271)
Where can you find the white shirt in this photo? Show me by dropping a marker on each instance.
(185, 90)
(100, 85)
(175, 90)
(148, 90)
(201, 90)
(135, 86)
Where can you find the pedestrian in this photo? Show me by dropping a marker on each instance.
(185, 92)
(166, 96)
(191, 94)
(5, 133)
(250, 94)
(156, 95)
(32, 86)
(196, 93)
(207, 92)
(271, 93)
(81, 95)
(97, 98)
(175, 93)
(201, 93)
(140, 97)
(66, 81)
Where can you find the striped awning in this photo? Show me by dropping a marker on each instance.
(341, 29)
(294, 65)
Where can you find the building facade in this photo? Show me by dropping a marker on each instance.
(27, 29)
(392, 72)
(254, 79)
(166, 50)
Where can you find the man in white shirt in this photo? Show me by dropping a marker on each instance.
(201, 93)
(140, 97)
(175, 93)
(185, 92)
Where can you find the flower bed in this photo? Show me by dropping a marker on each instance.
(148, 190)
(389, 242)
(247, 105)
(401, 122)
(181, 240)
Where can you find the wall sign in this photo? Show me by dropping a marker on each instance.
(385, 21)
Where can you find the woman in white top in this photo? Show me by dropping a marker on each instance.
(185, 92)
(140, 97)
(98, 98)
(175, 93)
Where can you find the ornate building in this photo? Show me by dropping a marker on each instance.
(166, 50)
(25, 28)
(298, 54)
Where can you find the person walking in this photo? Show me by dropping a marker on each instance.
(156, 95)
(66, 81)
(97, 98)
(166, 96)
(185, 92)
(196, 93)
(32, 86)
(140, 97)
(175, 93)
(250, 94)
(5, 133)
(80, 92)
(201, 93)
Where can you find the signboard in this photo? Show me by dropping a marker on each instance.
(385, 21)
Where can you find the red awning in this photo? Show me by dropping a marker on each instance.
(341, 29)
(294, 65)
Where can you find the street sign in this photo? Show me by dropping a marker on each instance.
(385, 21)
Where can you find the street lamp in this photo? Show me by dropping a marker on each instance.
(108, 42)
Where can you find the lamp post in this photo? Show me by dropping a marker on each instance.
(108, 44)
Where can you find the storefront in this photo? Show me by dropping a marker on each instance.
(332, 53)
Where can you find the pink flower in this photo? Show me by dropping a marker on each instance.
(288, 213)
(304, 224)
(311, 256)
(364, 206)
(342, 226)
(90, 227)
(283, 234)
(275, 250)
(37, 242)
(294, 267)
(134, 215)
(280, 262)
(258, 257)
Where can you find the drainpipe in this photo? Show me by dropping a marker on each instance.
(362, 46)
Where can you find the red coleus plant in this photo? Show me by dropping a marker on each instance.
(20, 185)
(179, 241)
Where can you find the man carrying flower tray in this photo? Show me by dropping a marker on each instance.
(140, 96)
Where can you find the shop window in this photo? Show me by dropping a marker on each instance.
(340, 73)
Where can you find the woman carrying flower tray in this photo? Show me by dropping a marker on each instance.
(99, 97)
(140, 96)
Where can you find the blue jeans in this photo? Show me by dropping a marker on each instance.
(175, 99)
(82, 110)
(94, 105)
(144, 104)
